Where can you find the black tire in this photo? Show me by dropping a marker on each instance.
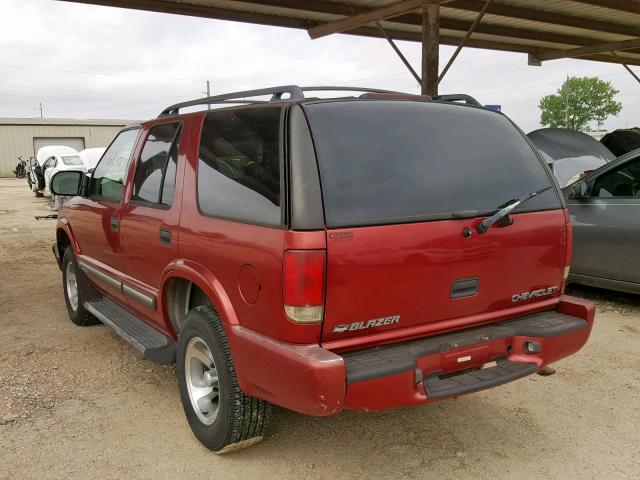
(78, 315)
(241, 420)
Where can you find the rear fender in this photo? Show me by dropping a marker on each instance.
(211, 286)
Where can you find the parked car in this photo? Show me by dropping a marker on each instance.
(48, 160)
(605, 213)
(91, 156)
(354, 252)
(622, 141)
(569, 153)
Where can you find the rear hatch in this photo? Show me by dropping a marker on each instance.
(404, 185)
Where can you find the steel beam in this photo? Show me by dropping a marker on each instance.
(633, 74)
(464, 41)
(620, 5)
(481, 43)
(544, 55)
(627, 68)
(397, 50)
(552, 18)
(361, 19)
(430, 48)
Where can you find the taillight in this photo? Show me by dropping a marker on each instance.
(304, 279)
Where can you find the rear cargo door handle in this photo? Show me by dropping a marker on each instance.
(165, 236)
(465, 287)
(115, 223)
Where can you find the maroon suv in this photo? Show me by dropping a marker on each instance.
(360, 252)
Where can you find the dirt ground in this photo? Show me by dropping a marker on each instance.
(80, 403)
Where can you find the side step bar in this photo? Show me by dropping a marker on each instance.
(152, 344)
(505, 371)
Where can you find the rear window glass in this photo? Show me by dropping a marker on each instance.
(71, 159)
(394, 162)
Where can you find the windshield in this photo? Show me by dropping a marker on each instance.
(568, 170)
(71, 160)
(394, 161)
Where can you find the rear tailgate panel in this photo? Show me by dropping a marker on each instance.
(404, 273)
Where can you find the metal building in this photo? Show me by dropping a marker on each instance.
(24, 136)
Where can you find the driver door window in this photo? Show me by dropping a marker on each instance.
(623, 182)
(154, 180)
(108, 177)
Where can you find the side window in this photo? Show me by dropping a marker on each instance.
(623, 182)
(239, 165)
(50, 162)
(108, 177)
(155, 177)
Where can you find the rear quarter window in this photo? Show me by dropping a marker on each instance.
(239, 165)
(387, 162)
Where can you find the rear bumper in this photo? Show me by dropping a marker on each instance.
(312, 380)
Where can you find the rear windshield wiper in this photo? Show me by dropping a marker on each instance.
(484, 225)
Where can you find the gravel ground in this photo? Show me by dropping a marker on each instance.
(80, 403)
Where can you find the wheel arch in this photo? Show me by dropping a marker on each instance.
(186, 285)
(181, 286)
(65, 238)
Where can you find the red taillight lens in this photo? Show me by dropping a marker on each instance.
(304, 278)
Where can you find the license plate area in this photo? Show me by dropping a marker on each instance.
(465, 358)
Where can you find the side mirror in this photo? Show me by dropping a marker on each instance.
(578, 190)
(67, 182)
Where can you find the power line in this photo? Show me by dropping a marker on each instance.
(107, 74)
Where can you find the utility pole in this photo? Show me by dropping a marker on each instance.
(208, 92)
(40, 110)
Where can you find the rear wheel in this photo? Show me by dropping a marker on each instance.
(72, 280)
(222, 417)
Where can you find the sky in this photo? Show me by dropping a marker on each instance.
(84, 61)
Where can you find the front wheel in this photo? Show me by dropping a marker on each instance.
(222, 417)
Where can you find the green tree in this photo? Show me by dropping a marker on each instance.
(578, 102)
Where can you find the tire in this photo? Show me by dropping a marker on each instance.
(74, 302)
(230, 420)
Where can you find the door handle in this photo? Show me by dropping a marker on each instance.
(466, 287)
(115, 222)
(165, 236)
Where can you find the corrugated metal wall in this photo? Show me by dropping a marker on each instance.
(18, 140)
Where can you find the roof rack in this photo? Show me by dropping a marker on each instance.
(296, 93)
(458, 97)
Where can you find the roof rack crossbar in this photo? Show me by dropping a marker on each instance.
(276, 93)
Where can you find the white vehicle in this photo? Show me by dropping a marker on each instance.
(52, 160)
(91, 156)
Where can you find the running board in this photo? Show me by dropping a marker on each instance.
(152, 344)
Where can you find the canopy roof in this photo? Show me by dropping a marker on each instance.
(600, 30)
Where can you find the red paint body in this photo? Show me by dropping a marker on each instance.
(404, 270)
